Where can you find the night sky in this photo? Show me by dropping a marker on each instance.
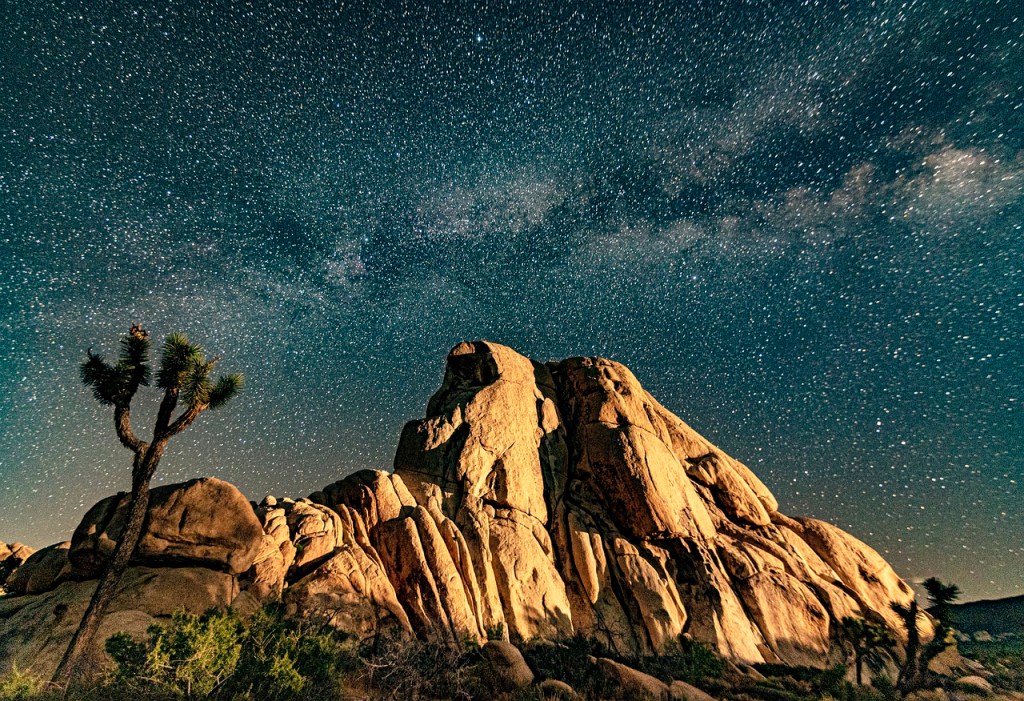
(799, 224)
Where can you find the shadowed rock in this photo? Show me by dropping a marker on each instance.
(41, 570)
(11, 558)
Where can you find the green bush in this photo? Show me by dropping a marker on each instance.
(215, 655)
(282, 657)
(192, 657)
(886, 687)
(19, 685)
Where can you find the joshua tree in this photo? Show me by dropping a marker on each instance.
(866, 639)
(184, 377)
(941, 596)
(912, 667)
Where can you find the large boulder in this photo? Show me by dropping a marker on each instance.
(626, 682)
(315, 531)
(975, 685)
(40, 571)
(265, 578)
(557, 690)
(11, 558)
(203, 522)
(352, 591)
(481, 461)
(681, 691)
(506, 666)
(202, 541)
(584, 505)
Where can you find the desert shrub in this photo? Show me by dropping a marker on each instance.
(886, 687)
(567, 660)
(216, 655)
(192, 657)
(400, 668)
(20, 684)
(282, 657)
(831, 680)
(683, 659)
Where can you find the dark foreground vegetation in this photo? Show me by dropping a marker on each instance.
(268, 656)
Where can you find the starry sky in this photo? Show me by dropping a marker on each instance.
(798, 223)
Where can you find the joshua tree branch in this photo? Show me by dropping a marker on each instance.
(183, 421)
(167, 406)
(123, 426)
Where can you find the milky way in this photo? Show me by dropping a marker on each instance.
(799, 225)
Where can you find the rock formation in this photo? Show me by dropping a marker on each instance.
(12, 557)
(40, 571)
(533, 500)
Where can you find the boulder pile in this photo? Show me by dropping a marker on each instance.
(533, 500)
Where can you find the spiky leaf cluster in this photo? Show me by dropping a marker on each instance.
(116, 384)
(226, 387)
(134, 358)
(196, 388)
(864, 635)
(183, 369)
(940, 594)
(177, 360)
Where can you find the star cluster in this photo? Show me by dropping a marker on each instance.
(798, 223)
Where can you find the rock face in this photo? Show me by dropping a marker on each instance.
(199, 543)
(12, 556)
(532, 500)
(35, 629)
(506, 665)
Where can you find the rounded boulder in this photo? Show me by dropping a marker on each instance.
(205, 522)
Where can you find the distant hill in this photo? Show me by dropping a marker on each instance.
(994, 615)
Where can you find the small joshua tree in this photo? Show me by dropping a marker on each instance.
(911, 670)
(867, 639)
(184, 377)
(941, 596)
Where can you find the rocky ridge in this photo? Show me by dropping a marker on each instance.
(533, 500)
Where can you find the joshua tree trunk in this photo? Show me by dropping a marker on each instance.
(146, 461)
(859, 665)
